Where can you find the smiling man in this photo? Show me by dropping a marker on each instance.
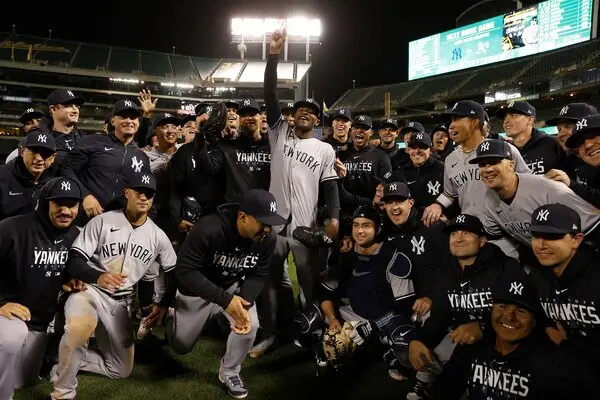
(103, 163)
(64, 108)
(340, 123)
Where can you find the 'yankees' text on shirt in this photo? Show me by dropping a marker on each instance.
(133, 250)
(302, 157)
(51, 261)
(358, 167)
(232, 264)
(572, 313)
(475, 302)
(499, 380)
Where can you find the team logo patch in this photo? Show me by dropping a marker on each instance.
(485, 146)
(542, 215)
(66, 186)
(136, 164)
(42, 138)
(273, 206)
(516, 288)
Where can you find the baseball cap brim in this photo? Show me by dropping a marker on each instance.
(507, 300)
(476, 160)
(554, 121)
(580, 136)
(451, 227)
(77, 100)
(501, 113)
(450, 114)
(29, 116)
(360, 124)
(394, 196)
(271, 220)
(547, 229)
(168, 120)
(388, 124)
(308, 104)
(344, 117)
(245, 109)
(129, 111)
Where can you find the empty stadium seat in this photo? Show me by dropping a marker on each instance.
(156, 64)
(91, 56)
(495, 76)
(183, 67)
(124, 60)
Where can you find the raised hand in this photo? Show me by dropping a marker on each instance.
(277, 40)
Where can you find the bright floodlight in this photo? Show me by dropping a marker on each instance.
(252, 30)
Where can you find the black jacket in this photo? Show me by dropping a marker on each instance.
(18, 190)
(187, 180)
(426, 182)
(399, 159)
(573, 299)
(375, 285)
(427, 248)
(246, 164)
(365, 169)
(464, 296)
(102, 164)
(33, 254)
(338, 147)
(536, 369)
(214, 256)
(586, 183)
(541, 153)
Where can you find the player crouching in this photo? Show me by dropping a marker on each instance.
(376, 280)
(114, 252)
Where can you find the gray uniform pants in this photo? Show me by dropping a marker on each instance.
(87, 312)
(278, 296)
(21, 355)
(191, 317)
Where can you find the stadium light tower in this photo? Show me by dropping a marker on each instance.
(300, 30)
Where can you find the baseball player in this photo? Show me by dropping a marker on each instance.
(462, 299)
(388, 134)
(188, 124)
(33, 254)
(64, 111)
(264, 125)
(512, 197)
(541, 152)
(340, 123)
(301, 167)
(114, 252)
(514, 360)
(567, 281)
(22, 178)
(442, 145)
(461, 179)
(30, 120)
(222, 266)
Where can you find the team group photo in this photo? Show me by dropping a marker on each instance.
(184, 227)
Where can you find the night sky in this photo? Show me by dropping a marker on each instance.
(361, 40)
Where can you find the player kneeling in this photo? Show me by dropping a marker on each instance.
(113, 253)
(375, 278)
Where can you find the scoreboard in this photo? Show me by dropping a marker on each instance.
(530, 30)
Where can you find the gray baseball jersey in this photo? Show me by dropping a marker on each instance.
(462, 181)
(298, 166)
(534, 191)
(111, 244)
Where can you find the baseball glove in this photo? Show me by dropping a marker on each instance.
(213, 126)
(338, 346)
(312, 237)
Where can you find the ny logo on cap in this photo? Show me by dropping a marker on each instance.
(42, 138)
(460, 219)
(455, 106)
(70, 93)
(146, 179)
(342, 112)
(128, 103)
(511, 104)
(208, 109)
(443, 126)
(411, 124)
(393, 187)
(29, 110)
(310, 100)
(167, 115)
(419, 137)
(387, 175)
(516, 288)
(485, 146)
(389, 121)
(361, 118)
(273, 206)
(65, 186)
(543, 215)
(564, 110)
(247, 102)
(137, 165)
(581, 124)
(575, 226)
(291, 105)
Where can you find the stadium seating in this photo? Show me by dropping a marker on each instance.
(205, 66)
(351, 98)
(91, 56)
(495, 76)
(156, 64)
(124, 60)
(183, 67)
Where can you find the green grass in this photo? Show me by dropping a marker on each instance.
(286, 373)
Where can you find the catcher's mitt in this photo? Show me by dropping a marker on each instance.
(312, 237)
(338, 346)
(212, 128)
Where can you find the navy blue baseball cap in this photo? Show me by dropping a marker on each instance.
(492, 149)
(516, 107)
(390, 123)
(63, 188)
(287, 106)
(517, 288)
(465, 222)
(29, 114)
(249, 106)
(362, 120)
(555, 218)
(420, 138)
(39, 139)
(232, 104)
(586, 128)
(368, 212)
(466, 108)
(412, 126)
(395, 190)
(440, 127)
(308, 103)
(261, 205)
(126, 107)
(164, 119)
(342, 113)
(145, 180)
(63, 96)
(572, 112)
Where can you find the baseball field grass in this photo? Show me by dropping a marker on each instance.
(286, 373)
